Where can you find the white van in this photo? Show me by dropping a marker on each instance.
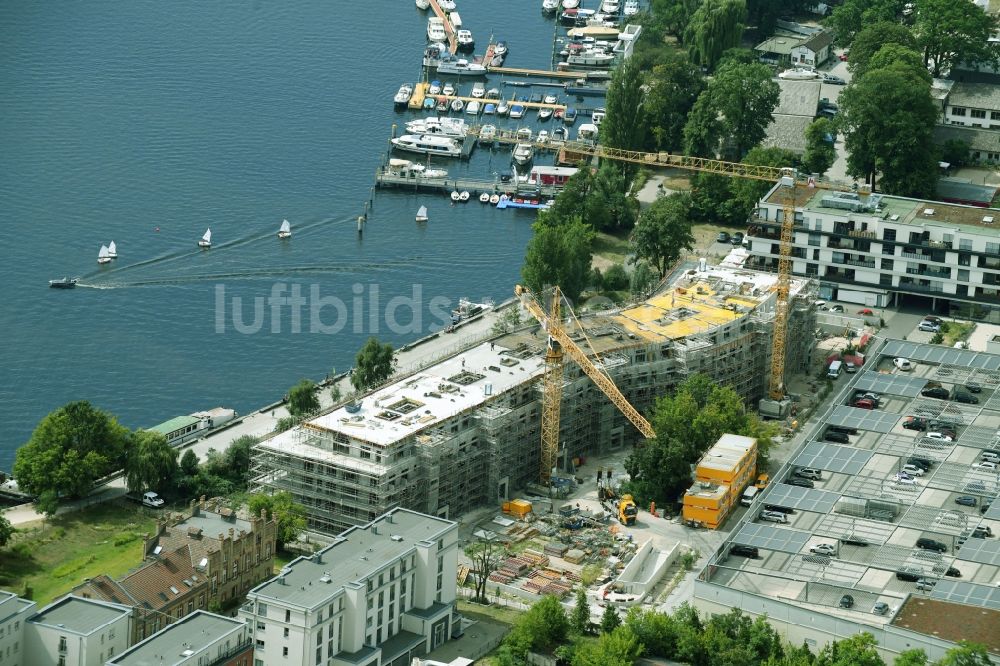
(749, 495)
(835, 369)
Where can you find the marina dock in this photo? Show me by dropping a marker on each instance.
(384, 178)
(419, 94)
(512, 100)
(449, 29)
(550, 74)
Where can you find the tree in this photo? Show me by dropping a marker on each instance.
(642, 279)
(965, 654)
(872, 38)
(610, 620)
(703, 130)
(672, 90)
(609, 200)
(47, 503)
(664, 231)
(745, 192)
(717, 25)
(745, 96)
(302, 398)
(848, 19)
(70, 449)
(624, 124)
(151, 463)
(543, 628)
(915, 657)
(559, 255)
(764, 14)
(580, 619)
(950, 33)
(373, 365)
(189, 463)
(955, 152)
(858, 650)
(888, 116)
(820, 150)
(289, 515)
(620, 647)
(672, 16)
(6, 530)
(712, 200)
(486, 555)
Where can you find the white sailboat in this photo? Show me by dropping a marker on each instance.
(112, 250)
(206, 240)
(422, 214)
(103, 257)
(285, 231)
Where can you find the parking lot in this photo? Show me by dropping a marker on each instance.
(859, 524)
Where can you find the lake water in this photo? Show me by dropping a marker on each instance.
(145, 122)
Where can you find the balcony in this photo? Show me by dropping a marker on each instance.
(933, 272)
(858, 233)
(926, 288)
(856, 262)
(918, 257)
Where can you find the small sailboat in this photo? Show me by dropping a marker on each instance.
(103, 257)
(206, 240)
(455, 195)
(112, 250)
(285, 231)
(464, 195)
(494, 199)
(422, 214)
(484, 197)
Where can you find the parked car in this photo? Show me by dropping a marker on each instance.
(940, 436)
(918, 423)
(834, 436)
(773, 516)
(989, 457)
(744, 551)
(809, 473)
(934, 319)
(737, 239)
(824, 549)
(923, 463)
(929, 326)
(847, 601)
(864, 403)
(836, 308)
(952, 572)
(965, 398)
(982, 531)
(935, 392)
(913, 470)
(909, 574)
(902, 363)
(926, 584)
(854, 540)
(966, 500)
(723, 237)
(973, 387)
(846, 431)
(904, 479)
(801, 483)
(985, 507)
(986, 465)
(939, 424)
(931, 544)
(833, 80)
(849, 366)
(842, 57)
(778, 508)
(880, 608)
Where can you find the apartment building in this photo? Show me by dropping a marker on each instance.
(380, 594)
(465, 431)
(14, 611)
(878, 250)
(77, 632)
(199, 639)
(720, 477)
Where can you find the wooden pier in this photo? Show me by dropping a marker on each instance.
(419, 94)
(483, 101)
(518, 71)
(449, 29)
(384, 178)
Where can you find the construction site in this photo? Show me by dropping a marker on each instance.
(466, 431)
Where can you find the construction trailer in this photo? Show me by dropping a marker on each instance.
(465, 431)
(721, 475)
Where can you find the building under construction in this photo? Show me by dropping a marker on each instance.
(466, 431)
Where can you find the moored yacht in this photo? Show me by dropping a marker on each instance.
(403, 96)
(428, 144)
(465, 40)
(550, 6)
(631, 7)
(523, 153)
(461, 67)
(443, 126)
(423, 4)
(435, 29)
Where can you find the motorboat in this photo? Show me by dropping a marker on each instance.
(423, 4)
(494, 199)
(435, 53)
(587, 133)
(70, 283)
(447, 5)
(444, 126)
(449, 89)
(461, 67)
(500, 49)
(442, 105)
(543, 137)
(544, 113)
(570, 4)
(206, 239)
(631, 7)
(550, 6)
(592, 58)
(473, 108)
(428, 144)
(523, 134)
(478, 89)
(484, 197)
(517, 111)
(550, 99)
(285, 231)
(570, 116)
(457, 105)
(503, 108)
(421, 214)
(465, 40)
(487, 134)
(434, 88)
(497, 61)
(560, 134)
(455, 195)
(493, 93)
(435, 29)
(429, 103)
(112, 250)
(523, 153)
(798, 74)
(403, 96)
(610, 6)
(464, 196)
(489, 109)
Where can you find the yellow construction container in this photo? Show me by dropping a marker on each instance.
(720, 477)
(518, 507)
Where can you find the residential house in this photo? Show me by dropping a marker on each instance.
(14, 612)
(380, 594)
(199, 639)
(796, 110)
(77, 632)
(795, 45)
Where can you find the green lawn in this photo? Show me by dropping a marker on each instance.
(610, 249)
(52, 557)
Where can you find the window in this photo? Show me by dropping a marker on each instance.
(262, 610)
(111, 634)
(977, 113)
(889, 234)
(62, 660)
(993, 248)
(957, 111)
(260, 644)
(965, 244)
(371, 603)
(258, 662)
(288, 616)
(885, 280)
(285, 633)
(963, 275)
(319, 655)
(260, 626)
(887, 264)
(284, 652)
(62, 643)
(319, 637)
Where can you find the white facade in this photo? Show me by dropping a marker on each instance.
(195, 640)
(77, 632)
(973, 105)
(869, 249)
(380, 592)
(14, 613)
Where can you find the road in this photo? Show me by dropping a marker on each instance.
(409, 358)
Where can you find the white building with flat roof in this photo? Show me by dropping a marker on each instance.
(198, 639)
(77, 632)
(14, 612)
(380, 594)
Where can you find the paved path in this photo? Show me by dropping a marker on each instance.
(263, 421)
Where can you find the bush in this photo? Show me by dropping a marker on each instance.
(123, 539)
(615, 279)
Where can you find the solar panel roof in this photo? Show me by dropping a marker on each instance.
(993, 513)
(807, 499)
(833, 458)
(863, 419)
(773, 538)
(903, 385)
(967, 593)
(924, 353)
(984, 551)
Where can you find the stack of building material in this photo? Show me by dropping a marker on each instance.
(500, 577)
(558, 589)
(574, 556)
(554, 549)
(535, 558)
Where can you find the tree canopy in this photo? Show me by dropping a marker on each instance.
(70, 449)
(151, 462)
(745, 192)
(6, 530)
(624, 124)
(302, 398)
(290, 516)
(821, 151)
(850, 17)
(952, 32)
(373, 364)
(559, 255)
(873, 37)
(715, 27)
(664, 231)
(673, 88)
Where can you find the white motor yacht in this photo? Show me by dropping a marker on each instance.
(423, 4)
(465, 40)
(435, 29)
(457, 105)
(461, 67)
(503, 108)
(403, 96)
(428, 144)
(523, 153)
(593, 58)
(449, 89)
(570, 4)
(473, 108)
(631, 7)
(487, 134)
(447, 5)
(610, 6)
(478, 89)
(441, 126)
(550, 6)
